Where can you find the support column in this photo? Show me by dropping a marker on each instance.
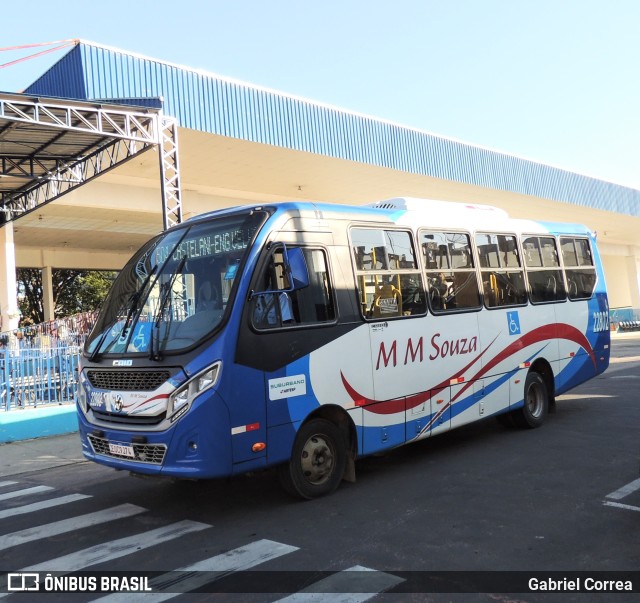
(633, 278)
(9, 311)
(47, 293)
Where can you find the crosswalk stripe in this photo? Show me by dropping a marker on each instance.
(242, 558)
(44, 504)
(339, 587)
(68, 525)
(115, 549)
(25, 492)
(3, 484)
(625, 490)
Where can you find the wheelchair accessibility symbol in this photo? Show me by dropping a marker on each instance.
(513, 320)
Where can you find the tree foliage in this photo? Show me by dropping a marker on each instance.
(74, 291)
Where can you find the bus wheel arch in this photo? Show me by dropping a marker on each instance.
(323, 454)
(542, 367)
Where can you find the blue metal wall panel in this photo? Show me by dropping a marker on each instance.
(208, 103)
(65, 79)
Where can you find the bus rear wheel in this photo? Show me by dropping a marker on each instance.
(536, 402)
(317, 462)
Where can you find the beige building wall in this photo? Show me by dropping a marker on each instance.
(622, 272)
(59, 239)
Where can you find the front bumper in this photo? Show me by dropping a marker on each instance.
(198, 445)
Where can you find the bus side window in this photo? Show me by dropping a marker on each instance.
(278, 307)
(387, 274)
(578, 266)
(502, 275)
(450, 271)
(546, 280)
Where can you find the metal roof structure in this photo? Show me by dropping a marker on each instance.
(217, 105)
(50, 146)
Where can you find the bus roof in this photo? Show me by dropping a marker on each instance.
(409, 211)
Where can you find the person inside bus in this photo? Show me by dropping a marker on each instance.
(413, 301)
(273, 308)
(438, 291)
(208, 298)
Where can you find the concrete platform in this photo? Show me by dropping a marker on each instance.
(42, 421)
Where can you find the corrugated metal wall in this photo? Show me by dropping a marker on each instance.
(66, 78)
(212, 104)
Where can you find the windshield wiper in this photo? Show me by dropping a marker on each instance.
(158, 317)
(133, 302)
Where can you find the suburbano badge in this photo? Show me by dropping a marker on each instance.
(287, 387)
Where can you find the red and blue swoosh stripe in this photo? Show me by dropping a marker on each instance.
(544, 333)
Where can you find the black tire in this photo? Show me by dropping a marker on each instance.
(536, 402)
(318, 460)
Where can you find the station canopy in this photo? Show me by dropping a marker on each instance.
(50, 146)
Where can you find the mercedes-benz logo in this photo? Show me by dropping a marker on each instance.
(118, 403)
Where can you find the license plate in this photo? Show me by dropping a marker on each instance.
(121, 450)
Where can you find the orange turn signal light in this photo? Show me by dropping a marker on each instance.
(258, 447)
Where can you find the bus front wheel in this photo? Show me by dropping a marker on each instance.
(536, 402)
(317, 462)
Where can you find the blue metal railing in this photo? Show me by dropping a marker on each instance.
(38, 363)
(36, 376)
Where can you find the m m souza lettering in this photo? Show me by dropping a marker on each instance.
(413, 350)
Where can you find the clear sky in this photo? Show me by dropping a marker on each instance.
(556, 81)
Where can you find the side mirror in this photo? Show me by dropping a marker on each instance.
(294, 265)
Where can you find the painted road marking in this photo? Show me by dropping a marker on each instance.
(68, 525)
(239, 559)
(608, 503)
(115, 549)
(625, 490)
(339, 587)
(25, 492)
(45, 504)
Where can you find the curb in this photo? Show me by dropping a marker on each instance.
(39, 422)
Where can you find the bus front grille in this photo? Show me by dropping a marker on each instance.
(127, 381)
(143, 453)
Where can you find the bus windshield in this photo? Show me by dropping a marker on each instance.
(174, 292)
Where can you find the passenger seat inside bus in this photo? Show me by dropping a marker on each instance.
(387, 302)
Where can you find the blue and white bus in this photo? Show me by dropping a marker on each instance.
(304, 336)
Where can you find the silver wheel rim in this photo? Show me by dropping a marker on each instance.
(317, 459)
(535, 400)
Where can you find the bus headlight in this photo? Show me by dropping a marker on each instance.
(180, 400)
(82, 395)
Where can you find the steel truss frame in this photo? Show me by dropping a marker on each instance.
(97, 139)
(170, 172)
